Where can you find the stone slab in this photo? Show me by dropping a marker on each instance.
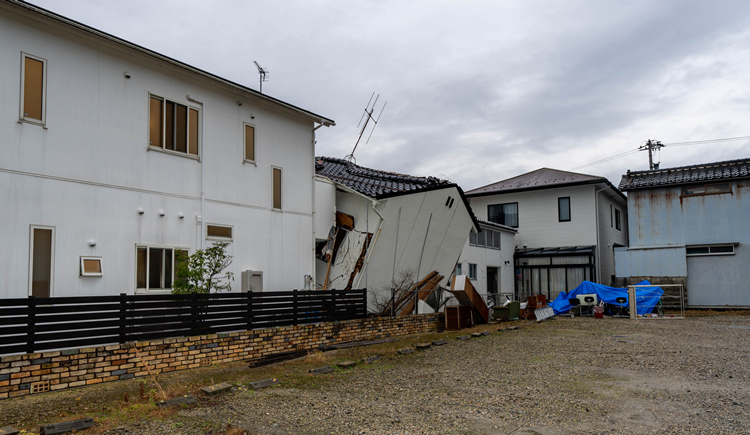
(67, 426)
(439, 342)
(177, 401)
(7, 430)
(485, 332)
(216, 389)
(257, 385)
(476, 334)
(371, 359)
(406, 351)
(346, 364)
(464, 337)
(423, 346)
(321, 370)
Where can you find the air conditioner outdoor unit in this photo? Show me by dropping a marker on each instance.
(252, 281)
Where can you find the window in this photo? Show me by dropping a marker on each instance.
(472, 271)
(277, 188)
(173, 126)
(504, 214)
(218, 232)
(156, 265)
(618, 223)
(496, 239)
(472, 238)
(41, 261)
(33, 89)
(710, 250)
(458, 270)
(707, 189)
(91, 266)
(563, 209)
(249, 143)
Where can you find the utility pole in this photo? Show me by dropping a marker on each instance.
(651, 145)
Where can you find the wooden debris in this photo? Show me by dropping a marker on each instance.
(67, 426)
(264, 383)
(321, 370)
(464, 291)
(177, 401)
(216, 389)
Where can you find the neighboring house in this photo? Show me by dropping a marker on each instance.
(568, 225)
(384, 224)
(689, 225)
(117, 159)
(487, 258)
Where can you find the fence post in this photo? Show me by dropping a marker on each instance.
(364, 307)
(333, 304)
(123, 317)
(31, 324)
(193, 313)
(249, 310)
(296, 308)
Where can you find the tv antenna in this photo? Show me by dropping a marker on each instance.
(263, 75)
(368, 112)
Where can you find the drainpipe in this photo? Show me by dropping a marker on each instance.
(598, 245)
(202, 155)
(314, 142)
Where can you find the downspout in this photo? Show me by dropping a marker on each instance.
(314, 174)
(598, 245)
(202, 153)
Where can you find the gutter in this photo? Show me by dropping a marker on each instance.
(100, 34)
(202, 155)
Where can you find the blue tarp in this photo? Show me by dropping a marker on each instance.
(646, 299)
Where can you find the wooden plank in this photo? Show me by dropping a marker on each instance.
(464, 291)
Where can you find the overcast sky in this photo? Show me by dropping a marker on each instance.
(477, 91)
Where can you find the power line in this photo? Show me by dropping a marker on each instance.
(701, 142)
(606, 159)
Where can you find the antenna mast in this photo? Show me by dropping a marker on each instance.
(368, 111)
(651, 145)
(263, 75)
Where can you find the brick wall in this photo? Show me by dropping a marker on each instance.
(49, 371)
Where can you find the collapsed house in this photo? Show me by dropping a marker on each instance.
(379, 230)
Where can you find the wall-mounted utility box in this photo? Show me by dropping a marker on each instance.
(252, 281)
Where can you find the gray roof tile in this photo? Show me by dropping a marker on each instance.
(726, 170)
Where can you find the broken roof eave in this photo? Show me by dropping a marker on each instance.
(135, 47)
(554, 186)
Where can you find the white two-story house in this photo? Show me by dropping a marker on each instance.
(568, 226)
(114, 159)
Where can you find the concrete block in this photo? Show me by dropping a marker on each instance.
(406, 351)
(346, 364)
(177, 401)
(464, 338)
(216, 389)
(264, 383)
(321, 370)
(7, 430)
(423, 346)
(371, 359)
(67, 426)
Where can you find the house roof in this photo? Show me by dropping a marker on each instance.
(561, 251)
(726, 170)
(496, 225)
(543, 178)
(88, 29)
(379, 184)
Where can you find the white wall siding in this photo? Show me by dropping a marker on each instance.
(487, 257)
(88, 171)
(609, 235)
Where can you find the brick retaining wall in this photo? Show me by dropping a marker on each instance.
(49, 371)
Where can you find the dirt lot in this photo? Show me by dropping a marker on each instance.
(562, 376)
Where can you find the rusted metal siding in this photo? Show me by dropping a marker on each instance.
(651, 262)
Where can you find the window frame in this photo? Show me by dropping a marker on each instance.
(618, 220)
(31, 259)
(254, 161)
(21, 117)
(219, 238)
(281, 188)
(148, 247)
(705, 187)
(559, 209)
(472, 267)
(82, 271)
(709, 247)
(163, 148)
(518, 214)
(458, 270)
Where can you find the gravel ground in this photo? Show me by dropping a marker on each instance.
(562, 376)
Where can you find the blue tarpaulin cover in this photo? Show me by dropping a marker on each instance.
(645, 298)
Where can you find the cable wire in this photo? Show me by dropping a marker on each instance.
(606, 159)
(701, 142)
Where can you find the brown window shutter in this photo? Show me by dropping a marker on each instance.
(33, 88)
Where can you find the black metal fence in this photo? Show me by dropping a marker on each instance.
(38, 324)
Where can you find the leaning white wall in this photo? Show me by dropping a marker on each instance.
(88, 171)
